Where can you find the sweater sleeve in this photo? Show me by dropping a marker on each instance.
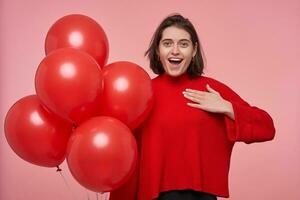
(251, 124)
(129, 190)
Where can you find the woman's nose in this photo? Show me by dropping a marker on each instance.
(175, 50)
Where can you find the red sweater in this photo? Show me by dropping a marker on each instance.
(181, 147)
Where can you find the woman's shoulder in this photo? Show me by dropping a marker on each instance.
(214, 83)
(226, 91)
(210, 79)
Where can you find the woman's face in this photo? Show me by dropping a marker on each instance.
(175, 50)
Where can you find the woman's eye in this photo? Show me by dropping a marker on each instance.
(184, 44)
(167, 44)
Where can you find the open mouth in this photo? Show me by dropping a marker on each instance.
(175, 61)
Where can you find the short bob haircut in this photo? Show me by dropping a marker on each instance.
(197, 64)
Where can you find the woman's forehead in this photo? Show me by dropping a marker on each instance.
(175, 33)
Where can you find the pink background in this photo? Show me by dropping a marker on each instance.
(252, 46)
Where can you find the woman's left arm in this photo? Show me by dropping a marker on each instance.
(243, 122)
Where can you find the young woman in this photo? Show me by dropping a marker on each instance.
(186, 142)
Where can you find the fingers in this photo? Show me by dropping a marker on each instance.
(210, 101)
(196, 105)
(198, 96)
(198, 92)
(193, 97)
(211, 90)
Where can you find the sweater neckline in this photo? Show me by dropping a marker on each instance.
(176, 79)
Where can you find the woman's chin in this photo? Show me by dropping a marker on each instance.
(175, 73)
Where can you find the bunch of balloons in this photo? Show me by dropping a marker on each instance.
(83, 110)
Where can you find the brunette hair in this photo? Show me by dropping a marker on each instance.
(197, 63)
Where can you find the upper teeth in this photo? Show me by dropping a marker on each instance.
(175, 59)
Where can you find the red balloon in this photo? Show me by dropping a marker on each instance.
(35, 134)
(81, 32)
(102, 154)
(127, 93)
(69, 83)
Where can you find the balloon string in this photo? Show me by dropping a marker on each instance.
(65, 181)
(87, 194)
(104, 196)
(107, 196)
(59, 170)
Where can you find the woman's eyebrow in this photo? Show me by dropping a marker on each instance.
(185, 40)
(166, 39)
(181, 40)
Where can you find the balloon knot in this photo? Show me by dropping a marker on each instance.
(74, 126)
(58, 169)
